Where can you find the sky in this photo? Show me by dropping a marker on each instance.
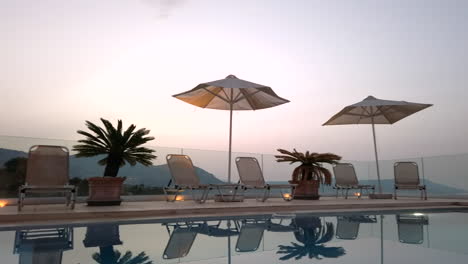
(64, 62)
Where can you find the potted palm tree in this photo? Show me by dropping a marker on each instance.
(310, 174)
(117, 147)
(312, 235)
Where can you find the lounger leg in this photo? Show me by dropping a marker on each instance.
(337, 190)
(73, 198)
(425, 193)
(395, 193)
(20, 199)
(346, 195)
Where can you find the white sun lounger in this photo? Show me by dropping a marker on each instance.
(184, 177)
(251, 177)
(47, 172)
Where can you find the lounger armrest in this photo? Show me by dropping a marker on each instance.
(48, 187)
(226, 185)
(366, 186)
(282, 185)
(409, 186)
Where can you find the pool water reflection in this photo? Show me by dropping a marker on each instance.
(401, 237)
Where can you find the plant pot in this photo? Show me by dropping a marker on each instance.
(105, 191)
(306, 190)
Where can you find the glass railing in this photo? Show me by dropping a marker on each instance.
(443, 175)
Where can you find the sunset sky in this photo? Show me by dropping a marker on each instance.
(64, 62)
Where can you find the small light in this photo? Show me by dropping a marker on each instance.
(418, 214)
(3, 203)
(287, 196)
(179, 198)
(358, 194)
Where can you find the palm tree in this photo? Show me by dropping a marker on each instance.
(312, 235)
(311, 167)
(111, 256)
(118, 146)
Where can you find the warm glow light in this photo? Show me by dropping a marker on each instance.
(287, 196)
(358, 194)
(179, 198)
(3, 203)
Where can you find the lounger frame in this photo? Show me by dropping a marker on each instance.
(346, 179)
(184, 177)
(251, 177)
(406, 175)
(47, 172)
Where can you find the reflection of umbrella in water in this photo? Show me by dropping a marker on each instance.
(375, 111)
(231, 94)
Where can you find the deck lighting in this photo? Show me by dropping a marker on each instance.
(179, 198)
(358, 194)
(3, 203)
(287, 196)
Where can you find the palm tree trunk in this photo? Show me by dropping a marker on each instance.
(107, 254)
(112, 167)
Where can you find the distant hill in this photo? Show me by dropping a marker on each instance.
(138, 174)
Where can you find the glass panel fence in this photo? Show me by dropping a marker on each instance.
(443, 175)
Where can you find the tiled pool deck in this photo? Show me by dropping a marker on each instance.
(36, 214)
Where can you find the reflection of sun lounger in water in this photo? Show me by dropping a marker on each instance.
(181, 240)
(250, 236)
(348, 226)
(410, 228)
(43, 246)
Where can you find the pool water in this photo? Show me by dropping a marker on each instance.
(397, 237)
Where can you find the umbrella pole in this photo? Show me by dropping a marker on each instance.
(376, 156)
(230, 142)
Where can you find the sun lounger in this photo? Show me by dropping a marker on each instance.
(407, 178)
(251, 177)
(410, 228)
(184, 177)
(346, 179)
(47, 172)
(43, 246)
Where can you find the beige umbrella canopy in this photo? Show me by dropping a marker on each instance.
(375, 111)
(231, 94)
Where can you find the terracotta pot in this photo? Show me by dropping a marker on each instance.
(306, 190)
(105, 191)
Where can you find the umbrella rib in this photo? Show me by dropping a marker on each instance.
(246, 96)
(383, 113)
(229, 100)
(224, 99)
(362, 114)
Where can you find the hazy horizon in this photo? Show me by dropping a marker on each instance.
(64, 62)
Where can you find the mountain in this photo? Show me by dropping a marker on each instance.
(88, 167)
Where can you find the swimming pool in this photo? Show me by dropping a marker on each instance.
(408, 237)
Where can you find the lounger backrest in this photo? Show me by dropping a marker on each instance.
(182, 170)
(346, 229)
(410, 231)
(345, 174)
(250, 236)
(250, 172)
(179, 243)
(47, 166)
(406, 173)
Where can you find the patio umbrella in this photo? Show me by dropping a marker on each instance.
(375, 111)
(231, 94)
